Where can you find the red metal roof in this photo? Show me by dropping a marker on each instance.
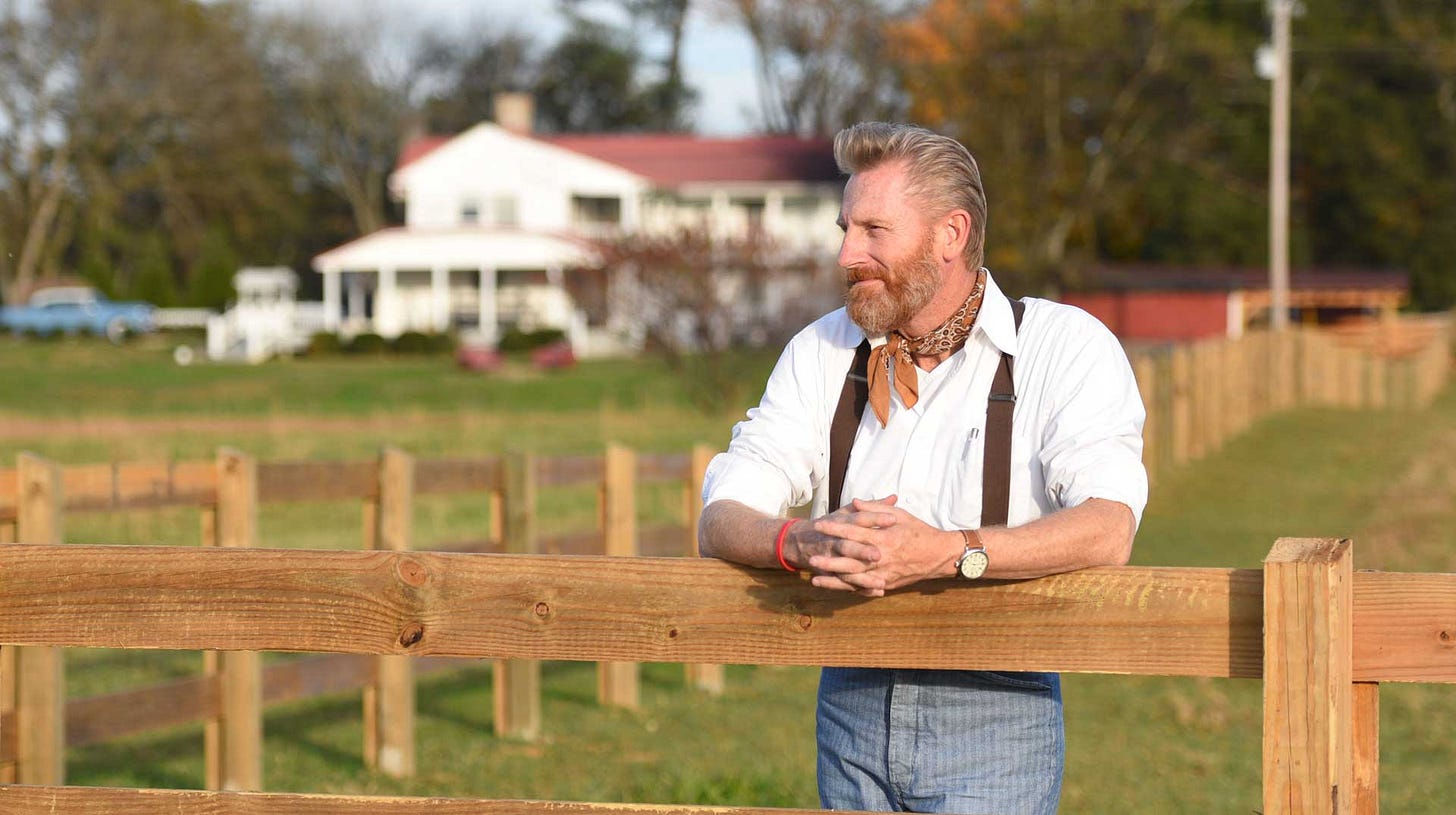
(419, 147)
(674, 159)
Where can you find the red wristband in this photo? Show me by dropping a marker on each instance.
(779, 544)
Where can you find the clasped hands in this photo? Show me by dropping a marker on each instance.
(872, 546)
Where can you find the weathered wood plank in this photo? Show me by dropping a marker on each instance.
(40, 677)
(586, 542)
(1143, 620)
(1365, 733)
(239, 764)
(282, 481)
(570, 471)
(139, 485)
(1308, 762)
(655, 468)
(391, 703)
(444, 476)
(703, 676)
(1405, 627)
(667, 541)
(184, 701)
(618, 682)
(517, 682)
(15, 800)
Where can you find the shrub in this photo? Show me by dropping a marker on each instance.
(324, 343)
(514, 340)
(417, 342)
(367, 344)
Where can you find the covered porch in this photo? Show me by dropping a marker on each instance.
(482, 281)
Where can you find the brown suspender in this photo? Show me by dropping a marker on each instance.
(996, 465)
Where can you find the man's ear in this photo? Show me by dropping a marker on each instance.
(955, 229)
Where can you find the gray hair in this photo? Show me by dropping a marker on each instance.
(942, 173)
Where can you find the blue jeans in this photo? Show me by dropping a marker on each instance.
(940, 741)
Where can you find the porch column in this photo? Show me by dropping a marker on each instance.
(489, 319)
(386, 304)
(332, 302)
(440, 297)
(356, 299)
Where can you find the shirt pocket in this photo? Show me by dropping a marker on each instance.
(963, 504)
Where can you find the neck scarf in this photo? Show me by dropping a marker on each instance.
(893, 364)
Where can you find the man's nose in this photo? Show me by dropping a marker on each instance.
(850, 253)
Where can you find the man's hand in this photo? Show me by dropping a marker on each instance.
(871, 547)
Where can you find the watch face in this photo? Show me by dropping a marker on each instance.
(973, 564)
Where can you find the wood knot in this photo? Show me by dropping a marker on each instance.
(542, 610)
(672, 632)
(411, 635)
(804, 622)
(1445, 636)
(411, 572)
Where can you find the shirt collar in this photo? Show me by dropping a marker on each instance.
(995, 320)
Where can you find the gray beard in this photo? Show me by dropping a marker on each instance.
(915, 286)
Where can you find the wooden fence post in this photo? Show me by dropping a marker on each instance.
(7, 672)
(618, 682)
(1308, 646)
(239, 759)
(1181, 367)
(1365, 730)
(389, 702)
(518, 681)
(706, 677)
(40, 679)
(212, 670)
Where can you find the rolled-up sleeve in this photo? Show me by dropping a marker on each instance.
(1092, 445)
(774, 459)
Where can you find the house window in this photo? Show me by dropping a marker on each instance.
(470, 211)
(505, 210)
(596, 210)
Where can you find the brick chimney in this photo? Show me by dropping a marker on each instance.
(515, 111)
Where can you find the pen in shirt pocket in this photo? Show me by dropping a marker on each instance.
(971, 441)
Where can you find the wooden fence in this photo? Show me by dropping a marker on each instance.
(234, 687)
(1199, 395)
(1320, 636)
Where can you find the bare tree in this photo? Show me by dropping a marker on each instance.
(822, 64)
(344, 96)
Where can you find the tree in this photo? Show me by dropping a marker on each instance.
(588, 82)
(345, 105)
(695, 296)
(133, 117)
(457, 78)
(822, 64)
(1076, 112)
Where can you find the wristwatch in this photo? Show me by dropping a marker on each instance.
(973, 562)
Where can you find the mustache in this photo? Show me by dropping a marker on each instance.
(858, 274)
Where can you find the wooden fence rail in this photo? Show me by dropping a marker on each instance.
(1307, 624)
(234, 687)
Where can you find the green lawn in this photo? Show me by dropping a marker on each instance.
(1135, 744)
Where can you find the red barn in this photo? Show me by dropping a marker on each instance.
(1187, 303)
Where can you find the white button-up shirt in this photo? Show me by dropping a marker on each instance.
(1076, 425)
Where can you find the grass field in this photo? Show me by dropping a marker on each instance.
(1135, 744)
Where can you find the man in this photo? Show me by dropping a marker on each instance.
(938, 329)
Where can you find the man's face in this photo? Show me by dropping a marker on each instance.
(888, 254)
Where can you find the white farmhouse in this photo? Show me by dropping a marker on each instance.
(498, 219)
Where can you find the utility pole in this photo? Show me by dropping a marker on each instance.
(1282, 10)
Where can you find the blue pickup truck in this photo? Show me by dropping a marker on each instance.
(76, 310)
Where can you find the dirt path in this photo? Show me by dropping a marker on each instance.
(30, 427)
